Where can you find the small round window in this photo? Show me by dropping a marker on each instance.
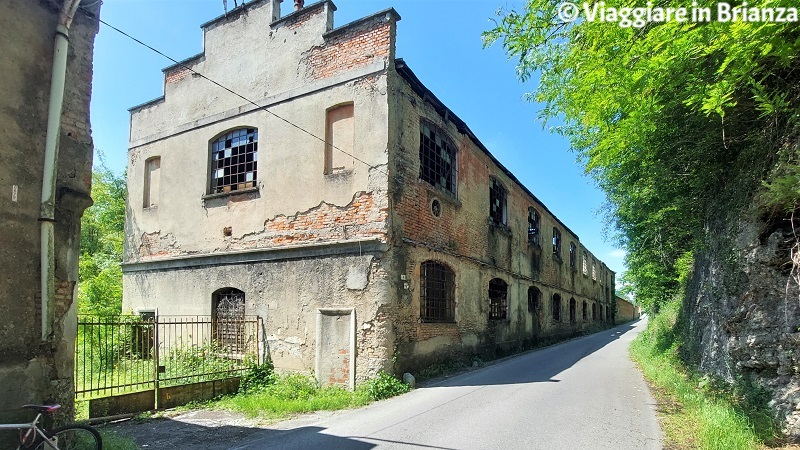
(436, 208)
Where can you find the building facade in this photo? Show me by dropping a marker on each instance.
(335, 197)
(37, 337)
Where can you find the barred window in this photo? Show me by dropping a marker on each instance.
(498, 299)
(234, 159)
(533, 226)
(437, 158)
(497, 202)
(557, 242)
(556, 308)
(227, 319)
(572, 255)
(437, 292)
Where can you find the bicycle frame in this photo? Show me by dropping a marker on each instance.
(32, 427)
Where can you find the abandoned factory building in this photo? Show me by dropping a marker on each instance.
(346, 206)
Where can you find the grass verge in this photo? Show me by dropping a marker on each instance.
(697, 412)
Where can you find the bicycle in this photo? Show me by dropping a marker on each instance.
(69, 437)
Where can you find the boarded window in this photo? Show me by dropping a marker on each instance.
(557, 242)
(234, 160)
(339, 137)
(437, 291)
(556, 308)
(437, 158)
(152, 181)
(498, 299)
(497, 202)
(533, 226)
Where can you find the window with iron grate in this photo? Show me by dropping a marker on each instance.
(498, 299)
(234, 160)
(437, 292)
(437, 158)
(497, 202)
(227, 319)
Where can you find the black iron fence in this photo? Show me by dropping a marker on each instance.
(123, 354)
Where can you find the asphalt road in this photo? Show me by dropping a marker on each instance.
(580, 394)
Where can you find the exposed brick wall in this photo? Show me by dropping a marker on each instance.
(299, 20)
(350, 48)
(176, 74)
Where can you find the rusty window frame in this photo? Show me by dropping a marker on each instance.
(534, 230)
(557, 242)
(234, 161)
(573, 250)
(437, 292)
(498, 299)
(437, 158)
(497, 202)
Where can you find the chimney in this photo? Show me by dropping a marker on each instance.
(298, 5)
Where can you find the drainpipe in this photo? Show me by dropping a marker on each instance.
(47, 208)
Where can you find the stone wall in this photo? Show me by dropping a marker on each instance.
(743, 305)
(33, 370)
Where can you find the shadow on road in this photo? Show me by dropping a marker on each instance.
(179, 434)
(541, 365)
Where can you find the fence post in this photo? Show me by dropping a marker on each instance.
(155, 360)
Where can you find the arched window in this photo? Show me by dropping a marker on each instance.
(534, 300)
(573, 313)
(556, 308)
(533, 226)
(572, 255)
(437, 158)
(608, 314)
(234, 160)
(585, 263)
(437, 292)
(498, 299)
(585, 313)
(227, 319)
(594, 312)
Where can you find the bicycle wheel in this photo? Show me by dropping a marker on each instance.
(73, 437)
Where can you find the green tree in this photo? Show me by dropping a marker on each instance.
(679, 123)
(102, 232)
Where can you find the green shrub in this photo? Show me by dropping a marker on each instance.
(385, 386)
(258, 377)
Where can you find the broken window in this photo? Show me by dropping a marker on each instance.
(234, 158)
(572, 255)
(227, 320)
(556, 308)
(437, 292)
(339, 134)
(585, 315)
(437, 158)
(585, 262)
(533, 226)
(573, 311)
(498, 299)
(497, 202)
(152, 181)
(557, 242)
(534, 300)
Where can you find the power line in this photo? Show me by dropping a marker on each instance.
(263, 108)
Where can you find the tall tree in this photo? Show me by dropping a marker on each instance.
(678, 122)
(102, 231)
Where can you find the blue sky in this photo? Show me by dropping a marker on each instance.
(440, 40)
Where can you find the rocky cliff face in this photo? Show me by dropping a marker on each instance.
(743, 304)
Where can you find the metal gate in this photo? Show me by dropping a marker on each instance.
(121, 355)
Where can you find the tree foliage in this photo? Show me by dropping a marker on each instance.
(677, 122)
(102, 231)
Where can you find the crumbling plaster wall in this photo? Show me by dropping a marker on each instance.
(33, 370)
(477, 251)
(310, 239)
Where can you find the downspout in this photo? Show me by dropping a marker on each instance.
(47, 208)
